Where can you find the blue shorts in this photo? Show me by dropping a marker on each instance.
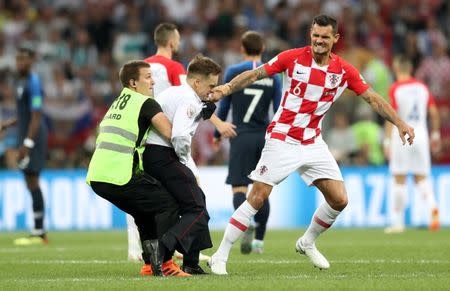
(245, 151)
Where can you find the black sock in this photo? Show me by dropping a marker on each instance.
(38, 209)
(238, 199)
(168, 255)
(261, 219)
(191, 259)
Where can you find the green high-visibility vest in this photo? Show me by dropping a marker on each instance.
(112, 161)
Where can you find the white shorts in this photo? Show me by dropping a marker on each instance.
(279, 159)
(410, 159)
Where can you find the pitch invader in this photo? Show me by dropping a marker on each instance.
(250, 109)
(167, 72)
(412, 100)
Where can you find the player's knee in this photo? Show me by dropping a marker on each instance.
(339, 203)
(260, 192)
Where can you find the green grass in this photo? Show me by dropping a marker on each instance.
(360, 259)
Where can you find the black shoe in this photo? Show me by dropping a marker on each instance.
(196, 270)
(155, 253)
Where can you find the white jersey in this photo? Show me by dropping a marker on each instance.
(411, 99)
(183, 108)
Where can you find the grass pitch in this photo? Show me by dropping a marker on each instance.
(362, 259)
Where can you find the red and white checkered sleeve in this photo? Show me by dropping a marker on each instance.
(355, 81)
(279, 63)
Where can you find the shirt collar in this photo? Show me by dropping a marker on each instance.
(193, 92)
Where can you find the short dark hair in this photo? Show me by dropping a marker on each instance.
(163, 32)
(325, 20)
(252, 42)
(203, 66)
(404, 62)
(130, 71)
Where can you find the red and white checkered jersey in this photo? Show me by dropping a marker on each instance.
(165, 73)
(411, 99)
(309, 90)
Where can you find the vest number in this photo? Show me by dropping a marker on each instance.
(121, 102)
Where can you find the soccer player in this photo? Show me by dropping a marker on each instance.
(32, 138)
(314, 78)
(166, 73)
(250, 109)
(169, 161)
(412, 99)
(115, 171)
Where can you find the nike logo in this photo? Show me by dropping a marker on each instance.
(300, 73)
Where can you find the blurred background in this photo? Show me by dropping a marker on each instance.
(81, 45)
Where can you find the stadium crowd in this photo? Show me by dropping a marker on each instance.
(82, 43)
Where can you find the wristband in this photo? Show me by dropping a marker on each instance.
(28, 142)
(387, 142)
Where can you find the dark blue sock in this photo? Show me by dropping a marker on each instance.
(238, 199)
(261, 219)
(38, 208)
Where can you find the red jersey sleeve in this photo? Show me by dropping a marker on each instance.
(279, 63)
(355, 81)
(175, 73)
(392, 96)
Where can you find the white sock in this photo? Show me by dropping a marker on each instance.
(322, 219)
(239, 222)
(400, 196)
(426, 190)
(134, 242)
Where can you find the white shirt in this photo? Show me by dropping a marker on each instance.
(183, 108)
(411, 99)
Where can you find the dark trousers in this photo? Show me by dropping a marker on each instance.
(191, 232)
(154, 210)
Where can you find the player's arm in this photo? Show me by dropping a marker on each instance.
(238, 83)
(276, 92)
(151, 111)
(222, 113)
(435, 137)
(383, 108)
(226, 129)
(7, 123)
(162, 125)
(36, 103)
(387, 139)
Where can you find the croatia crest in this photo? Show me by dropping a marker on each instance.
(333, 80)
(262, 170)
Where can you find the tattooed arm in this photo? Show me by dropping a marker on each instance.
(238, 83)
(383, 108)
